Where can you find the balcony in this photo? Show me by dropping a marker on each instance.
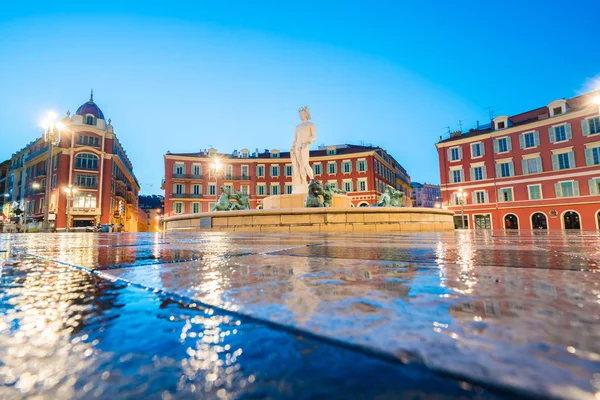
(87, 186)
(186, 196)
(187, 176)
(121, 193)
(85, 211)
(236, 177)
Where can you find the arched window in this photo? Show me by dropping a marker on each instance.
(511, 221)
(539, 221)
(598, 218)
(363, 204)
(86, 161)
(571, 220)
(89, 120)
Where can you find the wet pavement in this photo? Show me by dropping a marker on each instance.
(233, 315)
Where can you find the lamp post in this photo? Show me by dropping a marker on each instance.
(216, 165)
(461, 198)
(52, 130)
(70, 191)
(35, 186)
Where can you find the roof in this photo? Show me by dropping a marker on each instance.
(575, 104)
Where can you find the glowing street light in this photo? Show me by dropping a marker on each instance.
(52, 131)
(216, 166)
(70, 191)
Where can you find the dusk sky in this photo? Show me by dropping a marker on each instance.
(231, 74)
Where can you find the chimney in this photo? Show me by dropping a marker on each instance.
(455, 134)
(477, 125)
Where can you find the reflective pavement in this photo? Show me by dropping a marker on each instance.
(233, 315)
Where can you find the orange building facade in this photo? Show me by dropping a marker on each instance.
(90, 159)
(535, 170)
(191, 185)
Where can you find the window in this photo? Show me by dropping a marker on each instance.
(594, 185)
(260, 170)
(196, 208)
(261, 190)
(288, 188)
(179, 169)
(244, 154)
(86, 140)
(505, 195)
(84, 200)
(505, 169)
(567, 189)
(361, 165)
(86, 161)
(501, 125)
(592, 156)
(245, 189)
(89, 120)
(41, 207)
(85, 181)
(178, 207)
(347, 186)
(455, 154)
(197, 189)
(477, 150)
(362, 186)
(54, 181)
(288, 170)
(331, 152)
(478, 173)
(245, 172)
(535, 192)
(274, 155)
(275, 189)
(346, 166)
(274, 171)
(331, 168)
(560, 133)
(529, 139)
(229, 172)
(557, 110)
(502, 145)
(212, 189)
(532, 165)
(178, 188)
(197, 170)
(317, 169)
(332, 184)
(480, 197)
(563, 160)
(594, 125)
(456, 175)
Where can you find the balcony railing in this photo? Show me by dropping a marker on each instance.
(87, 186)
(120, 193)
(187, 176)
(236, 177)
(186, 196)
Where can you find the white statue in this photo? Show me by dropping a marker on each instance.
(306, 133)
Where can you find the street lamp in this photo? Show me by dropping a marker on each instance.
(216, 165)
(70, 191)
(36, 186)
(52, 130)
(462, 196)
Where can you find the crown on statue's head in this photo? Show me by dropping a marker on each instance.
(305, 108)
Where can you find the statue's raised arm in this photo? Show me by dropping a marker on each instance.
(305, 134)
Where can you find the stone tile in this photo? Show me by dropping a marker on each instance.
(338, 218)
(295, 219)
(266, 220)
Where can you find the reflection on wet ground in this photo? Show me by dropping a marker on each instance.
(232, 315)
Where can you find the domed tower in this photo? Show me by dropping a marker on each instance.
(90, 114)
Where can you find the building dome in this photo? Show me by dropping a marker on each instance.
(90, 108)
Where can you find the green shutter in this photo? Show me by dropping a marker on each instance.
(558, 190)
(496, 146)
(524, 167)
(498, 170)
(589, 159)
(472, 174)
(449, 154)
(511, 168)
(555, 162)
(450, 177)
(522, 140)
(568, 131)
(571, 159)
(538, 161)
(500, 197)
(585, 127)
(460, 156)
(484, 172)
(536, 136)
(462, 175)
(593, 186)
(552, 135)
(576, 188)
(508, 143)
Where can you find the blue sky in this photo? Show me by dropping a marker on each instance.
(183, 76)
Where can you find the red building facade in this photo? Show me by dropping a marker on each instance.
(191, 185)
(535, 170)
(90, 159)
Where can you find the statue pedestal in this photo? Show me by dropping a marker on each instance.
(296, 200)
